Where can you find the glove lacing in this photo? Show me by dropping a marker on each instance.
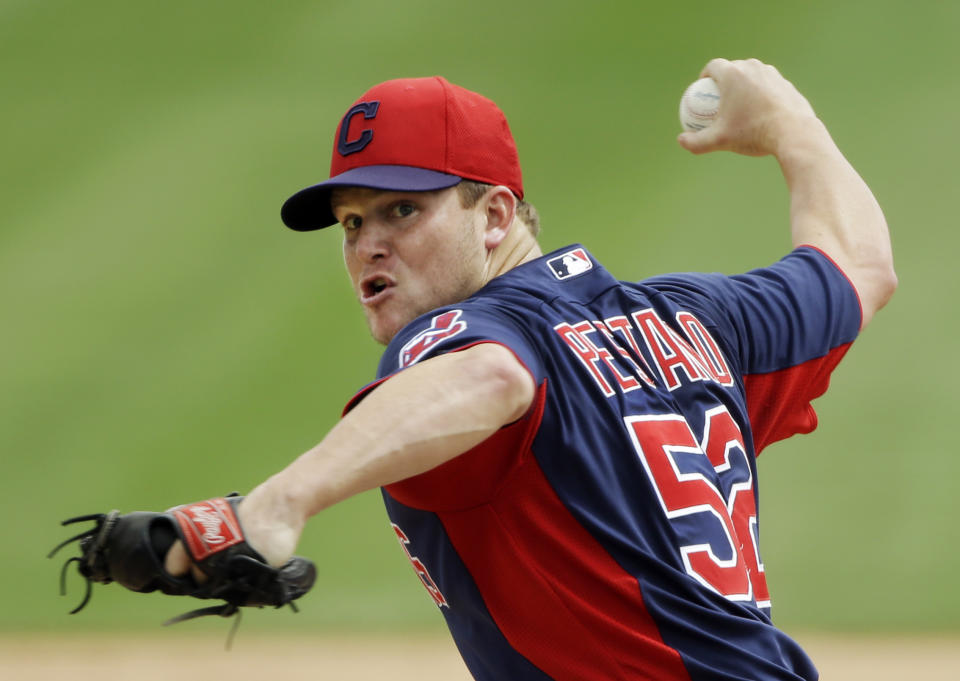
(105, 522)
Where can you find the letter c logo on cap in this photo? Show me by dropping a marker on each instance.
(345, 146)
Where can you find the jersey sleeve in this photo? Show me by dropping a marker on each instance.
(452, 329)
(457, 328)
(787, 326)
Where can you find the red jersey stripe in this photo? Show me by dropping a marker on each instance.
(591, 623)
(778, 402)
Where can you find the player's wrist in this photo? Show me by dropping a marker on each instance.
(802, 141)
(272, 516)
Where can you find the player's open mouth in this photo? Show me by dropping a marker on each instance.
(374, 288)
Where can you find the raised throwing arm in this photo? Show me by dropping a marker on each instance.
(831, 207)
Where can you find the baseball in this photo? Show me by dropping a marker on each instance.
(699, 105)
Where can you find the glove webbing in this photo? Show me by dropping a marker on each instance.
(105, 522)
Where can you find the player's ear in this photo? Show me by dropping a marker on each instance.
(499, 210)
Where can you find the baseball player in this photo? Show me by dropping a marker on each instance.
(568, 460)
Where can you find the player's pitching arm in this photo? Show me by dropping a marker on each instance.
(411, 423)
(831, 207)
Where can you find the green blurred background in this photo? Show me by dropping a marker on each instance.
(166, 339)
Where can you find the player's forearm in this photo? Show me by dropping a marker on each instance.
(417, 420)
(412, 423)
(832, 208)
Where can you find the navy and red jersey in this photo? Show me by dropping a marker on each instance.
(612, 532)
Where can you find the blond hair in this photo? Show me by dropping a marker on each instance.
(470, 192)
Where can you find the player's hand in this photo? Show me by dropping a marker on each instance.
(760, 112)
(271, 526)
(124, 548)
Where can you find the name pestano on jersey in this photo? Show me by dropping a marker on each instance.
(612, 532)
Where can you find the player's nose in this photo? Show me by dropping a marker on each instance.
(373, 241)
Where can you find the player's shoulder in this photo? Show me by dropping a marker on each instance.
(695, 292)
(453, 327)
(799, 264)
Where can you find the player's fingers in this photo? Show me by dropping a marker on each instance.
(699, 142)
(199, 576)
(715, 67)
(177, 562)
(684, 140)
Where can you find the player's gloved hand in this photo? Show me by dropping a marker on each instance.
(130, 549)
(760, 112)
(270, 524)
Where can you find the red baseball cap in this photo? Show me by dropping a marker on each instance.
(412, 134)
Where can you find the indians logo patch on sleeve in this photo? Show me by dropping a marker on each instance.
(442, 327)
(570, 264)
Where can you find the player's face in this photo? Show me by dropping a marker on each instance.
(408, 253)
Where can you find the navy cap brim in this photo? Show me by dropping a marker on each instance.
(309, 208)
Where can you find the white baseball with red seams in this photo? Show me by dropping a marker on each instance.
(699, 105)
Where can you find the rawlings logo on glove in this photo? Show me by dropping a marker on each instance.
(220, 527)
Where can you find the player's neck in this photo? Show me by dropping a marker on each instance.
(518, 247)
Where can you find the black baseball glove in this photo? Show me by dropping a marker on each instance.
(130, 548)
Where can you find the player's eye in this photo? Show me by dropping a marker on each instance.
(403, 209)
(352, 222)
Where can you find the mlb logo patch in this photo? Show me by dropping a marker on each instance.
(570, 264)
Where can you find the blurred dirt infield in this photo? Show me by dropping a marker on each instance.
(137, 658)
